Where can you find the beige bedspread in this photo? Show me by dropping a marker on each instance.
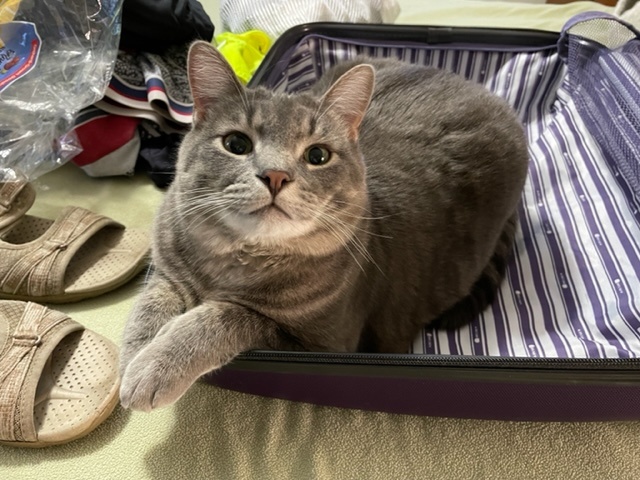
(216, 434)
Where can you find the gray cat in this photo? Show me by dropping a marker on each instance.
(342, 219)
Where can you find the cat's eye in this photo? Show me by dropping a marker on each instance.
(317, 155)
(237, 143)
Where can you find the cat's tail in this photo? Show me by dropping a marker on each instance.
(484, 289)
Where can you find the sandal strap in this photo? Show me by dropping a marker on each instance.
(37, 333)
(8, 193)
(41, 271)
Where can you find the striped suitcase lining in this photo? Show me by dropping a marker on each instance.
(573, 286)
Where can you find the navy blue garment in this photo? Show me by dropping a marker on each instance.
(155, 25)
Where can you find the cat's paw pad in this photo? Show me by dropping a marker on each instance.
(150, 381)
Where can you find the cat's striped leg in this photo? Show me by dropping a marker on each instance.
(203, 339)
(160, 301)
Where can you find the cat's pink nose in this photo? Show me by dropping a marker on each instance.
(275, 180)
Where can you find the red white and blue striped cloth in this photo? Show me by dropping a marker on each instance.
(573, 286)
(151, 87)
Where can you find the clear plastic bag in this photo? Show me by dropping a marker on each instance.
(56, 57)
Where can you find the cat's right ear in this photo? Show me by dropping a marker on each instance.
(349, 96)
(210, 78)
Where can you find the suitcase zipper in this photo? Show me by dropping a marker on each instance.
(445, 360)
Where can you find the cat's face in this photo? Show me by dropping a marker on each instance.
(271, 166)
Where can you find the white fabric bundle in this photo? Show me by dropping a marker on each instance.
(276, 16)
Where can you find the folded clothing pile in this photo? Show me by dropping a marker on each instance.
(147, 106)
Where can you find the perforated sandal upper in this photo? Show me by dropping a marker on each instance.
(31, 332)
(37, 268)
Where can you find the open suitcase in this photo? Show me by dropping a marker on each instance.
(562, 339)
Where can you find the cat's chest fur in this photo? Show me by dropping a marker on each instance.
(245, 269)
(282, 286)
(235, 268)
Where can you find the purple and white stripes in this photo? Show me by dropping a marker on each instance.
(573, 286)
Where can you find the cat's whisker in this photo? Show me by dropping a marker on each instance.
(334, 215)
(208, 196)
(368, 256)
(199, 199)
(350, 236)
(187, 202)
(346, 204)
(357, 217)
(342, 241)
(346, 247)
(320, 105)
(339, 98)
(241, 90)
(194, 195)
(351, 204)
(225, 215)
(188, 209)
(354, 239)
(313, 200)
(208, 215)
(219, 208)
(240, 105)
(199, 205)
(343, 202)
(357, 248)
(201, 191)
(147, 274)
(205, 213)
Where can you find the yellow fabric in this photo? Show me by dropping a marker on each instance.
(8, 10)
(217, 434)
(243, 51)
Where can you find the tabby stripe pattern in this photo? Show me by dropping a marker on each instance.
(573, 286)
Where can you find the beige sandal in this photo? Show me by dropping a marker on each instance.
(15, 199)
(79, 255)
(58, 381)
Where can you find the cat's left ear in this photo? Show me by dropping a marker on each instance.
(210, 78)
(350, 95)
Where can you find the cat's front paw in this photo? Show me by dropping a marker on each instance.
(152, 380)
(128, 352)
